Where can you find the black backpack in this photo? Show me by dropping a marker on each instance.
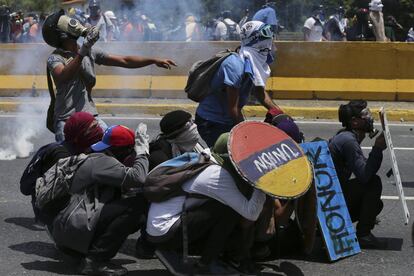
(36, 168)
(201, 74)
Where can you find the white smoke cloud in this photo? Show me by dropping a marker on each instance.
(16, 140)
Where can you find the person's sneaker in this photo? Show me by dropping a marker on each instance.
(90, 267)
(214, 268)
(144, 249)
(369, 241)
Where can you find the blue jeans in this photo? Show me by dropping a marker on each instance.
(210, 131)
(60, 125)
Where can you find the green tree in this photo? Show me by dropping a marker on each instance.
(31, 5)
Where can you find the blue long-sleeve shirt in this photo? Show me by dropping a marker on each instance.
(349, 159)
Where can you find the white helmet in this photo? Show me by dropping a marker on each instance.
(253, 32)
(110, 15)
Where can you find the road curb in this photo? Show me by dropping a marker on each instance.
(249, 111)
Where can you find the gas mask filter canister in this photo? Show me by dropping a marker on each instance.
(71, 26)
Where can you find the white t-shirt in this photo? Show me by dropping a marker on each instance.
(221, 31)
(316, 29)
(214, 182)
(103, 24)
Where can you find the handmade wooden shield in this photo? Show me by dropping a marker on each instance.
(395, 170)
(270, 160)
(307, 218)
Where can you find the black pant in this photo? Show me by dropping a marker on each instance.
(364, 202)
(210, 131)
(118, 219)
(208, 228)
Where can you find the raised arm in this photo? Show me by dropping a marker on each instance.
(136, 61)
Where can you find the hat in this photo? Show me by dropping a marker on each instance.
(220, 146)
(271, 113)
(115, 136)
(82, 131)
(375, 5)
(173, 121)
(285, 123)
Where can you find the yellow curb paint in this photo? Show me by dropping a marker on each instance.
(249, 111)
(281, 87)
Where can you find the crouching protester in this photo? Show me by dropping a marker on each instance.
(363, 192)
(213, 205)
(240, 74)
(106, 205)
(72, 68)
(81, 131)
(178, 135)
(274, 221)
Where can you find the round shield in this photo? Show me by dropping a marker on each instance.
(270, 160)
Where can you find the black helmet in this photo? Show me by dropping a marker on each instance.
(94, 4)
(52, 35)
(94, 7)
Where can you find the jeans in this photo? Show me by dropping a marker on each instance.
(210, 131)
(60, 126)
(364, 202)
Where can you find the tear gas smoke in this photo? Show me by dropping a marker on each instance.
(18, 132)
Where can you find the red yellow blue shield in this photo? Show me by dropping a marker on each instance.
(270, 160)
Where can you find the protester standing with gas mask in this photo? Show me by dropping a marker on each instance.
(73, 71)
(239, 75)
(363, 192)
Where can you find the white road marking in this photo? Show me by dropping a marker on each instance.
(310, 122)
(396, 148)
(337, 123)
(396, 197)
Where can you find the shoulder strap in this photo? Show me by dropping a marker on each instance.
(51, 110)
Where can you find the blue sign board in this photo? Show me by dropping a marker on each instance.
(333, 216)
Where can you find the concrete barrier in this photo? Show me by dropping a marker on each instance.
(303, 70)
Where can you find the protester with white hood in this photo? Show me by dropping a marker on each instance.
(377, 19)
(239, 75)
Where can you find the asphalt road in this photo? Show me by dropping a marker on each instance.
(27, 250)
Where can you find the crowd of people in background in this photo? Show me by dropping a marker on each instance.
(367, 24)
(136, 25)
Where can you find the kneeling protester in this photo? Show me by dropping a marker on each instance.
(204, 212)
(105, 203)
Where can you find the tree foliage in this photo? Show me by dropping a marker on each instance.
(291, 13)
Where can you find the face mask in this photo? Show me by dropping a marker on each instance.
(71, 26)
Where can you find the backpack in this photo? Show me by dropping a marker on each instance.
(232, 33)
(201, 74)
(35, 169)
(165, 180)
(56, 182)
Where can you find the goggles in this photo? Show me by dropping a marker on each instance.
(263, 33)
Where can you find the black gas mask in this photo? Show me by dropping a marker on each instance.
(348, 111)
(366, 115)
